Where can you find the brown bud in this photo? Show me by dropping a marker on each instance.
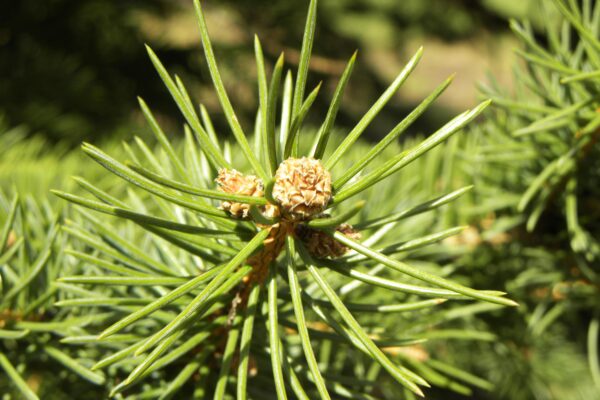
(322, 245)
(11, 240)
(232, 181)
(302, 187)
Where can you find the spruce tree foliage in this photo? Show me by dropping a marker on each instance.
(552, 125)
(162, 284)
(247, 280)
(537, 159)
(34, 354)
(425, 342)
(31, 164)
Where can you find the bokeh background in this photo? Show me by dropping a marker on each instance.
(71, 69)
